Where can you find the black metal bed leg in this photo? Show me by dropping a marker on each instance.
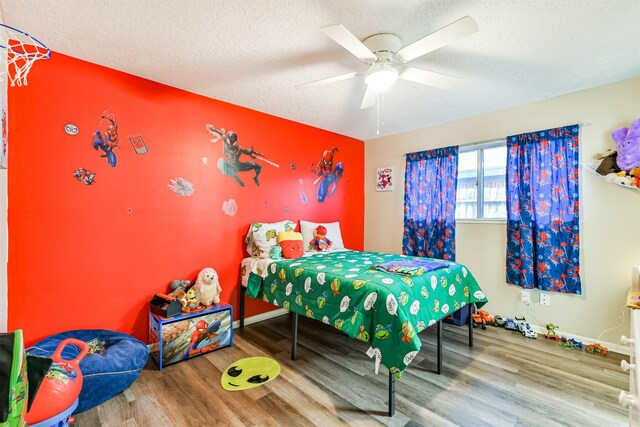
(439, 339)
(471, 311)
(294, 339)
(392, 394)
(243, 292)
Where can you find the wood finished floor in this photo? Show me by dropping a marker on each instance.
(504, 380)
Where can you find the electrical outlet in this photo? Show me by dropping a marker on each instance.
(525, 297)
(545, 299)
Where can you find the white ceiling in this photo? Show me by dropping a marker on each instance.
(252, 53)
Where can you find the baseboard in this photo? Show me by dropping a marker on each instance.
(617, 348)
(260, 317)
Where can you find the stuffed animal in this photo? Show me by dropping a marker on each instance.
(179, 285)
(609, 162)
(291, 244)
(628, 144)
(627, 181)
(320, 242)
(209, 287)
(181, 296)
(275, 252)
(192, 299)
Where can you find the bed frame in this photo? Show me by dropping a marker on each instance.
(392, 378)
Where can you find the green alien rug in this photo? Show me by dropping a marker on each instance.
(249, 372)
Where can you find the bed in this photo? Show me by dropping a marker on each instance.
(386, 310)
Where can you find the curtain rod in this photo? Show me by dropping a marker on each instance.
(488, 141)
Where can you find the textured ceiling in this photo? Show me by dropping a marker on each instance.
(252, 53)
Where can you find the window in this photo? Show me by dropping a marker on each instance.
(481, 191)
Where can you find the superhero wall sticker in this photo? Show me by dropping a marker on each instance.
(232, 162)
(106, 138)
(329, 173)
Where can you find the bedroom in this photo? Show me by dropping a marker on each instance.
(164, 205)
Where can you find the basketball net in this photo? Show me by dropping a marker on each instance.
(20, 51)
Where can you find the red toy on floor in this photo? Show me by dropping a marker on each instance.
(60, 389)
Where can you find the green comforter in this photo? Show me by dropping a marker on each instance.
(384, 309)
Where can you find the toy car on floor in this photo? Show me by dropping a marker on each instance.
(510, 324)
(477, 320)
(486, 317)
(597, 348)
(521, 322)
(499, 321)
(571, 343)
(529, 332)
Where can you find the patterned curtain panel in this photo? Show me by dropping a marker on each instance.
(543, 231)
(430, 203)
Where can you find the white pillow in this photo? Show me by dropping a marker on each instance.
(262, 236)
(333, 233)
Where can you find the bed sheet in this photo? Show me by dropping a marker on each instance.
(384, 309)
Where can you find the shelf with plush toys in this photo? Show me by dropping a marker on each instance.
(621, 166)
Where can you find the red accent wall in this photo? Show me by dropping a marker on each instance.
(91, 256)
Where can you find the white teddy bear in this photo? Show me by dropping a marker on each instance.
(209, 287)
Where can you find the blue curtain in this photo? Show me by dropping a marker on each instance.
(431, 178)
(543, 229)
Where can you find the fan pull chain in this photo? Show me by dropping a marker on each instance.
(378, 114)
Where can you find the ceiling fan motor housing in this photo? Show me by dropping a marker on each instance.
(383, 45)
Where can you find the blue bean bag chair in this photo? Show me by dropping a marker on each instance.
(104, 375)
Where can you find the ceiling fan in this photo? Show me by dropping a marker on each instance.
(385, 56)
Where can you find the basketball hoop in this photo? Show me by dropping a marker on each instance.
(19, 52)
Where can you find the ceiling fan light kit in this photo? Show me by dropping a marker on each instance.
(380, 78)
(384, 54)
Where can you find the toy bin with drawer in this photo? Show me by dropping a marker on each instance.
(191, 334)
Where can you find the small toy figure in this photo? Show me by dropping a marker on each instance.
(320, 242)
(209, 287)
(551, 332)
(597, 348)
(192, 299)
(275, 252)
(571, 343)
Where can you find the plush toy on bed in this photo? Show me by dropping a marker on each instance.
(320, 242)
(291, 244)
(275, 252)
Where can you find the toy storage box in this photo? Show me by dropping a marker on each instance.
(188, 335)
(458, 318)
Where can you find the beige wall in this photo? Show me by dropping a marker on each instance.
(610, 228)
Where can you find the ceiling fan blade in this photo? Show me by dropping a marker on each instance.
(429, 78)
(370, 98)
(449, 34)
(329, 80)
(347, 40)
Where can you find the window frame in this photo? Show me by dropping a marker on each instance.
(480, 147)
